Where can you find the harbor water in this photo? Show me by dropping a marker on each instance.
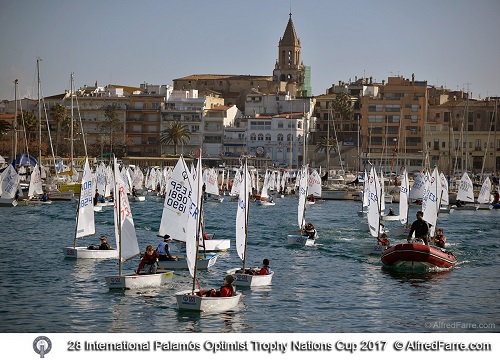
(331, 287)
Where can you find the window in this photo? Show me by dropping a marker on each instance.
(414, 119)
(268, 137)
(280, 137)
(392, 130)
(280, 125)
(138, 105)
(415, 107)
(393, 118)
(375, 107)
(447, 116)
(392, 108)
(375, 119)
(289, 137)
(260, 136)
(252, 136)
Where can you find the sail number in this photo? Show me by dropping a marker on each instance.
(178, 196)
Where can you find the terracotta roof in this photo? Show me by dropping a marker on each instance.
(197, 77)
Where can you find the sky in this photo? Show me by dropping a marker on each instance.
(450, 43)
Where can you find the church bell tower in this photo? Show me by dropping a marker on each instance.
(289, 67)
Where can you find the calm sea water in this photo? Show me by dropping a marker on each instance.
(331, 287)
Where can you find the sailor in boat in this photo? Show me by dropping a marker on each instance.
(45, 197)
(16, 197)
(383, 241)
(104, 243)
(440, 239)
(134, 191)
(149, 261)
(265, 270)
(163, 249)
(270, 199)
(96, 197)
(391, 212)
(309, 231)
(420, 228)
(311, 198)
(227, 290)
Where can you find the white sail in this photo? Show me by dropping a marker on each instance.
(85, 225)
(430, 199)
(194, 212)
(374, 196)
(35, 183)
(235, 189)
(465, 191)
(101, 179)
(445, 196)
(265, 186)
(382, 192)
(138, 178)
(417, 190)
(177, 201)
(10, 183)
(485, 193)
(126, 238)
(366, 190)
(241, 214)
(301, 208)
(210, 179)
(404, 191)
(314, 184)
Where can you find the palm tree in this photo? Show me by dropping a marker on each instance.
(326, 145)
(176, 133)
(58, 114)
(342, 105)
(5, 126)
(111, 116)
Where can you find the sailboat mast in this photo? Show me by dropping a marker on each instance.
(15, 121)
(71, 140)
(199, 199)
(245, 198)
(39, 114)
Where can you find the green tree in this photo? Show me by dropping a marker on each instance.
(112, 123)
(342, 106)
(58, 114)
(5, 127)
(29, 123)
(325, 145)
(176, 133)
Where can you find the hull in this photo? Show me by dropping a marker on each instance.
(211, 245)
(246, 280)
(375, 249)
(138, 198)
(61, 196)
(417, 255)
(5, 202)
(85, 253)
(204, 262)
(133, 281)
(390, 218)
(188, 301)
(337, 194)
(295, 240)
(68, 187)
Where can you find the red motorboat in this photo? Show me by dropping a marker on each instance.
(414, 254)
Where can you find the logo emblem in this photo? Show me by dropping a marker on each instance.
(42, 345)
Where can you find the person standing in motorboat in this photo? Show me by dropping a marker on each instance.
(163, 249)
(149, 261)
(420, 228)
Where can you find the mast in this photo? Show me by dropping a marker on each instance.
(71, 140)
(15, 121)
(39, 115)
(291, 135)
(245, 198)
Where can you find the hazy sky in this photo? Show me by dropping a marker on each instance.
(453, 43)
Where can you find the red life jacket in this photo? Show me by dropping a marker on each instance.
(226, 291)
